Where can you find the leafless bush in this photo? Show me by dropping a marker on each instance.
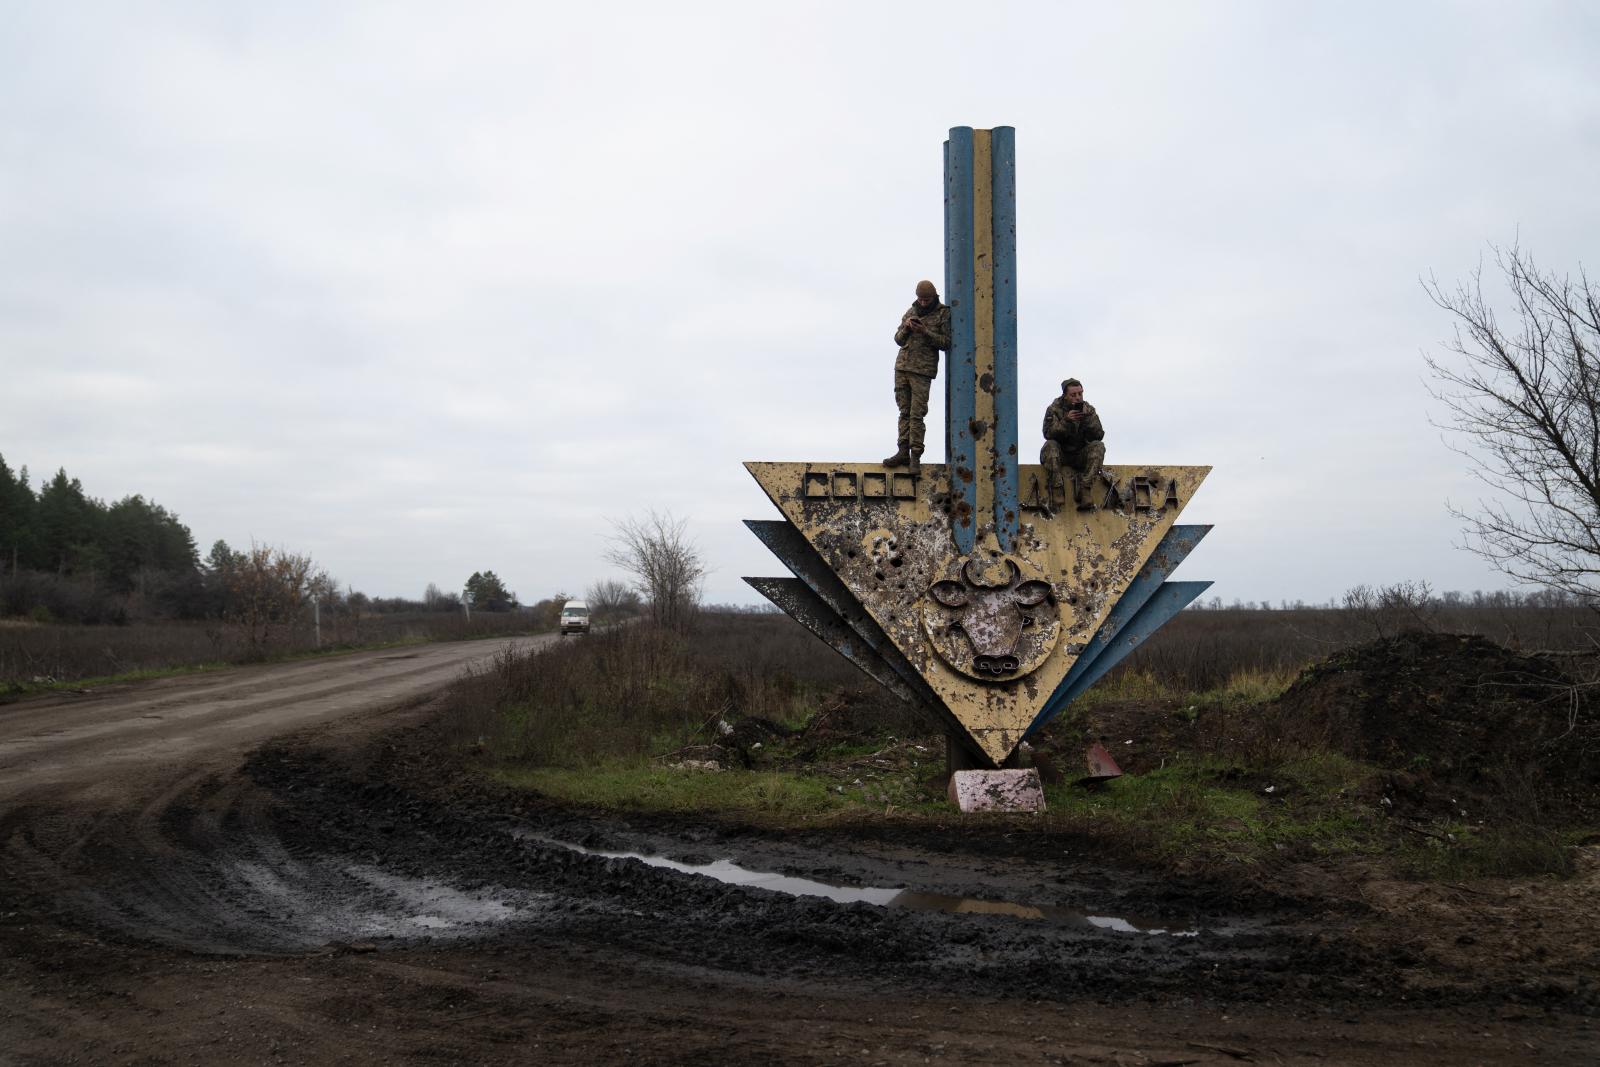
(1525, 402)
(1392, 609)
(610, 599)
(665, 563)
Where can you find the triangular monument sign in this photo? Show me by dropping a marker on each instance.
(963, 586)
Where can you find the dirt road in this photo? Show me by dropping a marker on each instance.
(86, 742)
(286, 865)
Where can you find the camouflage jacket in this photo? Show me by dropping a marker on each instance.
(919, 349)
(1071, 436)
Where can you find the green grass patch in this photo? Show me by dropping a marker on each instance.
(761, 796)
(1211, 811)
(1197, 813)
(1518, 851)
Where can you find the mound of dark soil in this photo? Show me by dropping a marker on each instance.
(1455, 708)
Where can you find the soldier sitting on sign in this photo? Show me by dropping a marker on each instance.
(924, 329)
(1073, 440)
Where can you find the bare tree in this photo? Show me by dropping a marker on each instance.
(665, 564)
(1394, 609)
(610, 599)
(1524, 402)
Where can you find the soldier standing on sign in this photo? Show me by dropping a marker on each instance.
(924, 330)
(1073, 440)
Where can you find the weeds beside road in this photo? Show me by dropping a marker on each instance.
(753, 720)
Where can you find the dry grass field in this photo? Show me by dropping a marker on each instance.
(631, 691)
(770, 656)
(1209, 649)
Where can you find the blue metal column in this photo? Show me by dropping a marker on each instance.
(961, 460)
(980, 253)
(1007, 512)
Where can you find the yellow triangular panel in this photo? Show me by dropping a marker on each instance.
(887, 534)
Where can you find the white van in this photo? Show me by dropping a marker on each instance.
(574, 617)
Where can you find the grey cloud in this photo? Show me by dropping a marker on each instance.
(421, 293)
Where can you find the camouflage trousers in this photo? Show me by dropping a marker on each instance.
(1084, 463)
(911, 397)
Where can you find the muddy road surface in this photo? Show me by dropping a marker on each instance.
(288, 865)
(81, 743)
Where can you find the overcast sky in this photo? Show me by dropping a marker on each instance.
(421, 289)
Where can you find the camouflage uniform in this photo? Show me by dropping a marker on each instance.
(1075, 446)
(915, 368)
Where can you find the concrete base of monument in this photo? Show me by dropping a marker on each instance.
(1005, 790)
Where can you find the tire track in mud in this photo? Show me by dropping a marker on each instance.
(406, 804)
(124, 811)
(688, 924)
(303, 851)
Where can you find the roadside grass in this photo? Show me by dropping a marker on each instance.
(779, 798)
(1210, 811)
(1191, 815)
(1455, 851)
(1186, 818)
(752, 722)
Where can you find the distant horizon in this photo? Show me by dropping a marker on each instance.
(754, 600)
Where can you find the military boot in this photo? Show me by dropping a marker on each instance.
(914, 465)
(899, 459)
(1054, 487)
(1082, 494)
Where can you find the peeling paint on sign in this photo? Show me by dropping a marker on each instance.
(892, 553)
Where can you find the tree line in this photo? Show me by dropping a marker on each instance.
(64, 552)
(62, 530)
(70, 557)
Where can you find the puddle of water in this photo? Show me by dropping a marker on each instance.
(433, 905)
(329, 900)
(888, 897)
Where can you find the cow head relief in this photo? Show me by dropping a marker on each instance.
(992, 619)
